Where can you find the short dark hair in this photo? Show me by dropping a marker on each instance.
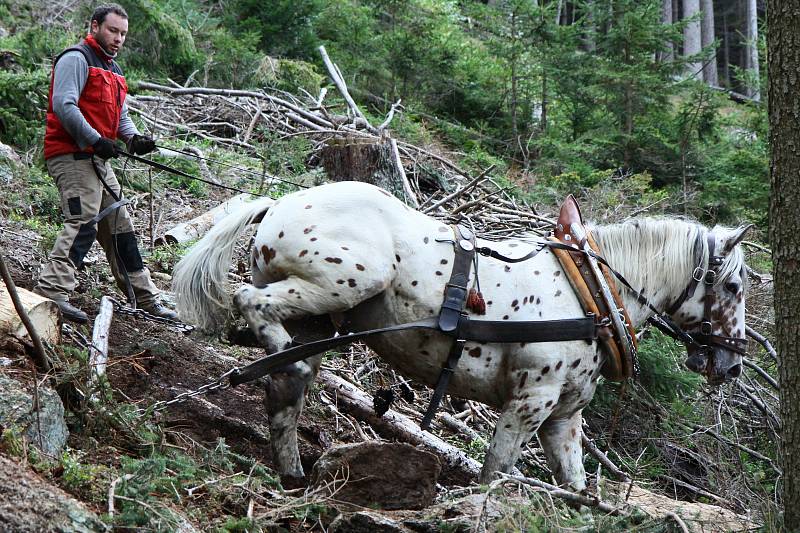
(101, 12)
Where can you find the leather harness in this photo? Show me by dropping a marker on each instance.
(606, 319)
(597, 292)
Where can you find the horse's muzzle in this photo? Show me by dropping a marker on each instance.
(717, 364)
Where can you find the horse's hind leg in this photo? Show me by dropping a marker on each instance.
(265, 309)
(285, 395)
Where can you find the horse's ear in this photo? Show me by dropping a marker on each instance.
(734, 237)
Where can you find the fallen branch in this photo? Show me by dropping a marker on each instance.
(336, 76)
(111, 491)
(598, 454)
(409, 192)
(761, 372)
(678, 520)
(394, 425)
(567, 495)
(761, 339)
(698, 490)
(98, 351)
(459, 191)
(41, 356)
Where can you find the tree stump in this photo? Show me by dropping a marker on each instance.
(369, 160)
(43, 313)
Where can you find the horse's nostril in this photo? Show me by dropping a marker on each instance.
(734, 372)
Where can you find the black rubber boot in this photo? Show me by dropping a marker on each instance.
(158, 309)
(71, 313)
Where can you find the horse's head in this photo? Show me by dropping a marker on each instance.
(714, 315)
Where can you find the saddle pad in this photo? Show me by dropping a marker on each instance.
(581, 275)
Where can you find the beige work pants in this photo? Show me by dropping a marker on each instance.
(83, 196)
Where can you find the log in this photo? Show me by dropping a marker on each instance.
(350, 158)
(199, 226)
(98, 352)
(394, 425)
(43, 314)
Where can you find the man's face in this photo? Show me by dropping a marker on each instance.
(111, 33)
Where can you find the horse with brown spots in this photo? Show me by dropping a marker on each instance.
(389, 256)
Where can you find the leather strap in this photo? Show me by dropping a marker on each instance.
(455, 292)
(442, 382)
(470, 330)
(697, 276)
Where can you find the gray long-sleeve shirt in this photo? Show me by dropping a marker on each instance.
(69, 79)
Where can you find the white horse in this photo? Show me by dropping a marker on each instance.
(353, 252)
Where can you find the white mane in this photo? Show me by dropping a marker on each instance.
(658, 255)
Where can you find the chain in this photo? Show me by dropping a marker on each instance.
(221, 383)
(176, 325)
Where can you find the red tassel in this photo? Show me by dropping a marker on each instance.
(475, 302)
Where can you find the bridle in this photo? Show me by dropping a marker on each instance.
(704, 340)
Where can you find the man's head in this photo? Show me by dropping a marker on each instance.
(109, 26)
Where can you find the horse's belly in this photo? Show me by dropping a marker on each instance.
(420, 357)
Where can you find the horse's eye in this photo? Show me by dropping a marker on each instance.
(732, 287)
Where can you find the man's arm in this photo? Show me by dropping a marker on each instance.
(69, 79)
(127, 129)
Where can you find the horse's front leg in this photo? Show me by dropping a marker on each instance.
(561, 441)
(285, 396)
(518, 422)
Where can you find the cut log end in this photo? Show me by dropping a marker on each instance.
(44, 315)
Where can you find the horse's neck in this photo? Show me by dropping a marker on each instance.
(656, 257)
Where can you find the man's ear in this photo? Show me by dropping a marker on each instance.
(733, 237)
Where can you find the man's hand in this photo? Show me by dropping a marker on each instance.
(140, 144)
(105, 148)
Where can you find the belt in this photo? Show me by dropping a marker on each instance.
(80, 156)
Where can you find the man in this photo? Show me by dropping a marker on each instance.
(86, 114)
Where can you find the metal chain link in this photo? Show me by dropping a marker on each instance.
(176, 325)
(221, 383)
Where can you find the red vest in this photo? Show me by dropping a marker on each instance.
(100, 102)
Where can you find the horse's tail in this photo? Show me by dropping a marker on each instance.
(200, 279)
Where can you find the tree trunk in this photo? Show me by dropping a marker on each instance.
(668, 54)
(514, 95)
(589, 34)
(751, 46)
(783, 42)
(726, 51)
(200, 225)
(692, 39)
(368, 160)
(707, 27)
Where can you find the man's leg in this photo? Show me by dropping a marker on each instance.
(116, 235)
(80, 194)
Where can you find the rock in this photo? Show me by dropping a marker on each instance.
(379, 474)
(365, 522)
(472, 506)
(9, 162)
(29, 504)
(16, 412)
(7, 153)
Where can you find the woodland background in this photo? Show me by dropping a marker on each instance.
(636, 106)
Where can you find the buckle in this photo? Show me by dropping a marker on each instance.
(698, 273)
(710, 277)
(705, 328)
(466, 245)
